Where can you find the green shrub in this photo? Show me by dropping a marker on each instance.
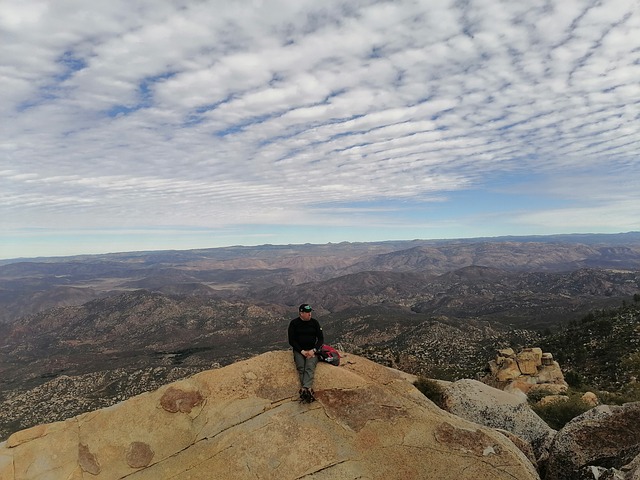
(574, 379)
(632, 363)
(631, 392)
(628, 393)
(611, 398)
(430, 389)
(558, 414)
(534, 396)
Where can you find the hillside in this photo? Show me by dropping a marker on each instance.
(29, 286)
(75, 359)
(521, 299)
(601, 349)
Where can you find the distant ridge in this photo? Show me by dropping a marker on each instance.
(235, 250)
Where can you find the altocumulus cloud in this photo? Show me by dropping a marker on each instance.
(363, 113)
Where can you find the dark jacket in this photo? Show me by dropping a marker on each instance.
(305, 335)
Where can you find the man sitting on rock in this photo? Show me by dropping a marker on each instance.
(306, 338)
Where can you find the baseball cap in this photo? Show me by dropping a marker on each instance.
(305, 307)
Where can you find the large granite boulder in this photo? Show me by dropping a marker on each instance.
(605, 437)
(530, 369)
(495, 408)
(244, 421)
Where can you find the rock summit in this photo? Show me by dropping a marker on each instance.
(244, 421)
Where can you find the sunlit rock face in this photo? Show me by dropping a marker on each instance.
(245, 421)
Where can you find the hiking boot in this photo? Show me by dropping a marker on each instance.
(307, 395)
(304, 395)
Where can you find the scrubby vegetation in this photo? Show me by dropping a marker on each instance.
(557, 414)
(601, 351)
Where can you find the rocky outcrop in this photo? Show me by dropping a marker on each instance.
(485, 405)
(528, 370)
(601, 444)
(603, 440)
(68, 396)
(243, 421)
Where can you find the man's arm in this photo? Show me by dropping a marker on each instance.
(319, 336)
(293, 341)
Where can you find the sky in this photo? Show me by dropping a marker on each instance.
(131, 125)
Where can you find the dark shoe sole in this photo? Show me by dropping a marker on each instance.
(306, 396)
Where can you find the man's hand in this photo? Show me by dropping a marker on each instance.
(307, 353)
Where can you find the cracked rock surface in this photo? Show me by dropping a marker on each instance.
(244, 421)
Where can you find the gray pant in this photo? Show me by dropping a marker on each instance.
(306, 368)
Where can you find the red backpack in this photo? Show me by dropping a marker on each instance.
(329, 354)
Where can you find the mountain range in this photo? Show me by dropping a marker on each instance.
(97, 329)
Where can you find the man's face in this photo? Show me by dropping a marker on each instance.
(305, 315)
